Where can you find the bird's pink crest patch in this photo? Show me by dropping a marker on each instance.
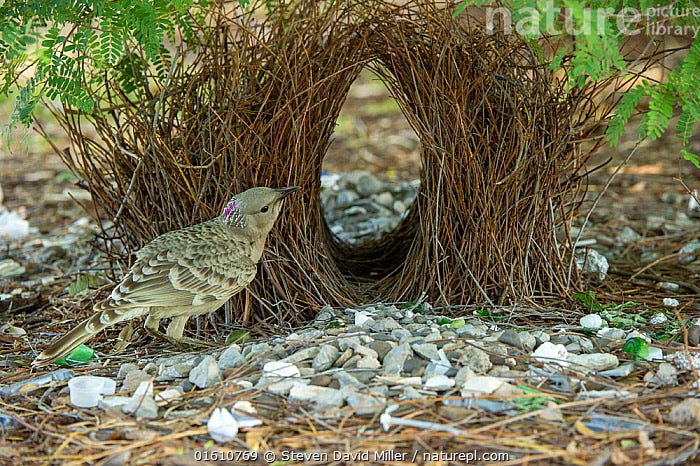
(229, 208)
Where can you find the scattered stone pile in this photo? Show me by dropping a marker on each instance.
(371, 357)
(359, 207)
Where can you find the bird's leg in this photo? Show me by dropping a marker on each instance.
(151, 325)
(173, 334)
(176, 327)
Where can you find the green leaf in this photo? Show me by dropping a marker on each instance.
(691, 157)
(238, 336)
(587, 298)
(83, 284)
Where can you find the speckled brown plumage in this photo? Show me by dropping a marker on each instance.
(186, 272)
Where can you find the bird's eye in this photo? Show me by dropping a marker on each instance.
(265, 209)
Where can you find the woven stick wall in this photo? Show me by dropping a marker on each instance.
(257, 105)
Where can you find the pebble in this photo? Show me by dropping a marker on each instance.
(326, 356)
(206, 373)
(670, 286)
(595, 361)
(322, 398)
(686, 412)
(481, 384)
(670, 302)
(141, 404)
(231, 357)
(591, 321)
(395, 354)
(439, 383)
(395, 359)
(594, 263)
(689, 252)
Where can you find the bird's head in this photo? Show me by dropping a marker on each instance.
(256, 209)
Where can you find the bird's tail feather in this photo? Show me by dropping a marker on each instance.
(83, 332)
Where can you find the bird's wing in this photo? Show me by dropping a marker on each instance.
(187, 269)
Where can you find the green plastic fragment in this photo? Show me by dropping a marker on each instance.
(80, 355)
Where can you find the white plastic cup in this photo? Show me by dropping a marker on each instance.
(87, 390)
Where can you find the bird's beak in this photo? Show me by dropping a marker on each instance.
(284, 192)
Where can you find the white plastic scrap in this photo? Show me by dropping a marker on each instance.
(361, 317)
(386, 420)
(222, 426)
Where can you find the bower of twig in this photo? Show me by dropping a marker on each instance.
(257, 103)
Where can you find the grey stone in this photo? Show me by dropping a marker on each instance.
(351, 342)
(176, 371)
(346, 380)
(687, 412)
(481, 384)
(439, 383)
(595, 361)
(278, 386)
(133, 379)
(670, 286)
(395, 359)
(385, 324)
(302, 355)
(255, 350)
(472, 330)
(381, 348)
(322, 398)
(476, 359)
(512, 338)
(326, 356)
(141, 404)
(125, 369)
(384, 198)
(113, 402)
(401, 334)
(628, 235)
(528, 340)
(232, 357)
(689, 252)
(368, 184)
(10, 268)
(428, 351)
(415, 365)
(206, 373)
(540, 337)
(666, 375)
(346, 197)
(611, 333)
(594, 263)
(410, 393)
(363, 403)
(437, 368)
(623, 370)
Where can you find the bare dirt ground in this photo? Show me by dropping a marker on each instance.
(649, 195)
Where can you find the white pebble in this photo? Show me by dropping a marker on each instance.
(281, 369)
(671, 302)
(549, 352)
(592, 321)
